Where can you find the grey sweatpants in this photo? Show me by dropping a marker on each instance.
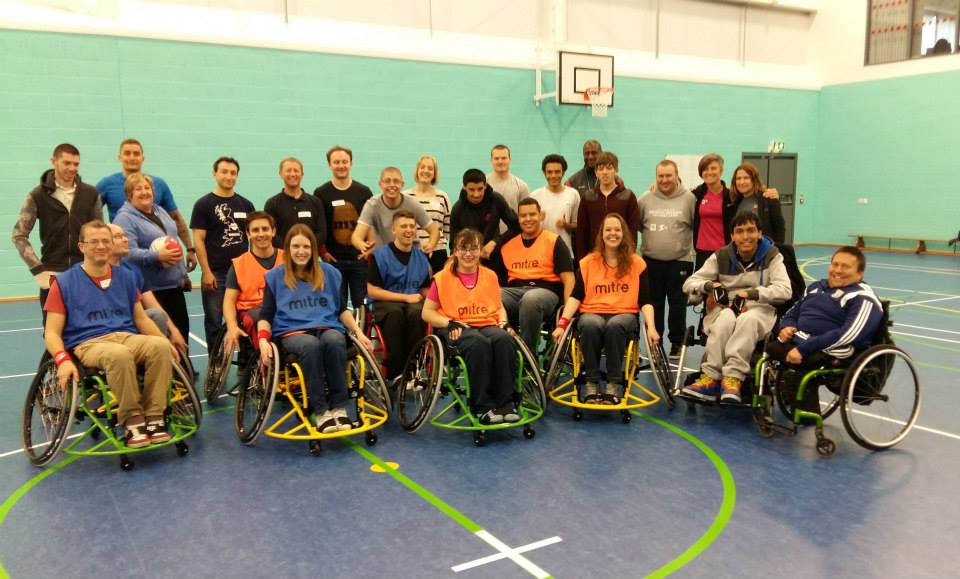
(731, 339)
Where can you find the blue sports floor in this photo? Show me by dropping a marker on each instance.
(696, 494)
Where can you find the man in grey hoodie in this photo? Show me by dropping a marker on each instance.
(666, 224)
(751, 273)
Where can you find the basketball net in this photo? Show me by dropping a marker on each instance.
(599, 98)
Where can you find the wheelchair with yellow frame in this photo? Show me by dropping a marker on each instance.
(50, 411)
(566, 377)
(283, 377)
(436, 373)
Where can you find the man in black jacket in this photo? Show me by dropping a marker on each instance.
(61, 203)
(481, 208)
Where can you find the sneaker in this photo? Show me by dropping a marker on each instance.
(674, 352)
(157, 431)
(730, 387)
(136, 436)
(491, 417)
(509, 413)
(591, 393)
(343, 421)
(326, 423)
(610, 395)
(705, 388)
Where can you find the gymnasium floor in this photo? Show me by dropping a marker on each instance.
(697, 494)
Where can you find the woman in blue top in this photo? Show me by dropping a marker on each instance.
(303, 306)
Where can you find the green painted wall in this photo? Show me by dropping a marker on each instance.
(190, 103)
(894, 142)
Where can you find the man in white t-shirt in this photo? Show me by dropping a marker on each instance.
(559, 202)
(508, 185)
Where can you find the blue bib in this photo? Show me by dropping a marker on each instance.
(399, 278)
(93, 312)
(304, 308)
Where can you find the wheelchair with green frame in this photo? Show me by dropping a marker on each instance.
(50, 411)
(877, 392)
(436, 373)
(566, 377)
(283, 376)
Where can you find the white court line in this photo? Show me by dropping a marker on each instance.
(902, 325)
(926, 337)
(197, 340)
(20, 330)
(911, 291)
(903, 423)
(925, 301)
(897, 267)
(32, 373)
(512, 554)
(501, 555)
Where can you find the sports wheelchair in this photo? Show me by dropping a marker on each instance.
(565, 375)
(49, 412)
(435, 370)
(283, 375)
(367, 323)
(220, 360)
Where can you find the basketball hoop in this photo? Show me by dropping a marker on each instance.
(599, 98)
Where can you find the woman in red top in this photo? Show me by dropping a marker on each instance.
(464, 307)
(611, 289)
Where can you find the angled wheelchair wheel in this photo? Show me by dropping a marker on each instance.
(218, 366)
(560, 363)
(255, 401)
(880, 397)
(660, 365)
(187, 364)
(184, 402)
(47, 414)
(532, 390)
(420, 383)
(374, 385)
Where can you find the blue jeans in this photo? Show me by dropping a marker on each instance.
(491, 357)
(354, 272)
(529, 307)
(608, 333)
(323, 359)
(213, 309)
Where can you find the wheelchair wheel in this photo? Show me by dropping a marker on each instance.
(187, 364)
(533, 390)
(560, 359)
(829, 401)
(184, 402)
(660, 365)
(47, 414)
(255, 402)
(420, 383)
(374, 385)
(218, 366)
(880, 397)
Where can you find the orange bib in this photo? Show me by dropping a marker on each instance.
(250, 279)
(603, 292)
(478, 307)
(534, 262)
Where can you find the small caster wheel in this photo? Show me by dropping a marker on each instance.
(826, 447)
(315, 448)
(528, 432)
(371, 439)
(625, 416)
(126, 464)
(182, 448)
(578, 414)
(479, 438)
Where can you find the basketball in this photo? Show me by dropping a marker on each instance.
(169, 243)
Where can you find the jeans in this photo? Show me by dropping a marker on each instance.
(213, 309)
(527, 308)
(354, 272)
(491, 357)
(666, 284)
(323, 359)
(608, 333)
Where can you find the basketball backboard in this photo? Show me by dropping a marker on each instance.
(580, 71)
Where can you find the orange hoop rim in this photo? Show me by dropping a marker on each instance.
(596, 90)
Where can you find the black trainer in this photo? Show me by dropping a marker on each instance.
(674, 351)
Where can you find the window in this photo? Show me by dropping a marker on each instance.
(904, 29)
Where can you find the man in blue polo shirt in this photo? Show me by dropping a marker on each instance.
(94, 309)
(397, 281)
(113, 194)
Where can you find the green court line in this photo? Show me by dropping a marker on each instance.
(25, 488)
(727, 505)
(413, 486)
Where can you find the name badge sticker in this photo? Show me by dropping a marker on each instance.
(338, 202)
(304, 214)
(105, 283)
(240, 214)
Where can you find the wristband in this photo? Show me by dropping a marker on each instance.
(263, 335)
(61, 357)
(563, 323)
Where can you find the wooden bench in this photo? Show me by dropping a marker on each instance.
(920, 241)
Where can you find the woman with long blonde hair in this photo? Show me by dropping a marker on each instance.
(611, 288)
(303, 306)
(436, 203)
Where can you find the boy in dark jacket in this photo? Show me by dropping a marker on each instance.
(481, 208)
